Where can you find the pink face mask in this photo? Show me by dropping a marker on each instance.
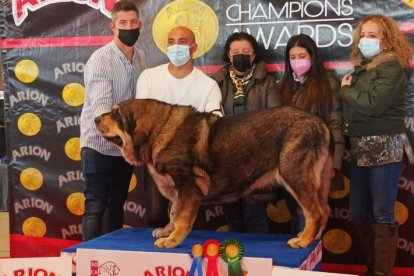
(300, 66)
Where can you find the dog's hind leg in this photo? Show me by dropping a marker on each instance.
(300, 174)
(314, 200)
(326, 179)
(182, 215)
(313, 213)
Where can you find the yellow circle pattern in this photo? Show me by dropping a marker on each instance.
(337, 241)
(195, 15)
(76, 203)
(278, 213)
(341, 193)
(223, 228)
(31, 179)
(410, 3)
(29, 124)
(26, 71)
(401, 213)
(73, 94)
(72, 148)
(34, 226)
(133, 183)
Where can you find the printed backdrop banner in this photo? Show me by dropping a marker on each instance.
(45, 45)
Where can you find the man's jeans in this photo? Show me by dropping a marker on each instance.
(107, 180)
(374, 192)
(247, 217)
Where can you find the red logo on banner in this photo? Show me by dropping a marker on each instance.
(94, 268)
(167, 271)
(33, 272)
(21, 7)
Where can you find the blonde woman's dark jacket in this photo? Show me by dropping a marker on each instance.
(261, 91)
(375, 103)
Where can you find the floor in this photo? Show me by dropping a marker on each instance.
(4, 235)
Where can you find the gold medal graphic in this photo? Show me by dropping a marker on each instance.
(341, 193)
(278, 213)
(409, 3)
(31, 179)
(195, 15)
(29, 124)
(133, 183)
(401, 213)
(73, 94)
(337, 241)
(34, 227)
(72, 148)
(76, 203)
(223, 228)
(26, 71)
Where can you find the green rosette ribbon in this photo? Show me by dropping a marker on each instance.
(231, 251)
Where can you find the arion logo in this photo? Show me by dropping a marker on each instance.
(20, 8)
(108, 268)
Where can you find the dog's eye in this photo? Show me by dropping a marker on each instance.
(117, 140)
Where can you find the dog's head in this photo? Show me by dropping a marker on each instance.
(111, 126)
(127, 127)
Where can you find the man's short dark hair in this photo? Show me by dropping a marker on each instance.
(123, 5)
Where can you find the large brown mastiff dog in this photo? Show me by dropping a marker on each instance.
(195, 156)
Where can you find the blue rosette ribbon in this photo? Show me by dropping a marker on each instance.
(197, 256)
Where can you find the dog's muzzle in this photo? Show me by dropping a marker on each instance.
(97, 120)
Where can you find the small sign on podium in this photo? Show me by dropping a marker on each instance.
(126, 263)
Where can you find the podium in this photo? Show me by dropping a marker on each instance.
(131, 251)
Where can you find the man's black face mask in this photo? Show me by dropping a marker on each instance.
(128, 37)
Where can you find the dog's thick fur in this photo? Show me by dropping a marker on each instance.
(195, 156)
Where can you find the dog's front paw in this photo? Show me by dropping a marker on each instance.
(161, 232)
(166, 243)
(298, 243)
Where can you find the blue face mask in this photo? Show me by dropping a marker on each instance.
(178, 54)
(369, 47)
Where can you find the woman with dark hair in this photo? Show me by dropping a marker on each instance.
(308, 85)
(246, 85)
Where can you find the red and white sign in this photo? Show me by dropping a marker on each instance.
(53, 266)
(125, 263)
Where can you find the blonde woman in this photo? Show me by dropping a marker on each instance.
(374, 103)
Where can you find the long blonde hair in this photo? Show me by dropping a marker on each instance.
(394, 40)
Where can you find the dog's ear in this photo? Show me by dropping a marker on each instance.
(136, 123)
(141, 131)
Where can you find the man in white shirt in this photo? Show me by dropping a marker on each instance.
(177, 82)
